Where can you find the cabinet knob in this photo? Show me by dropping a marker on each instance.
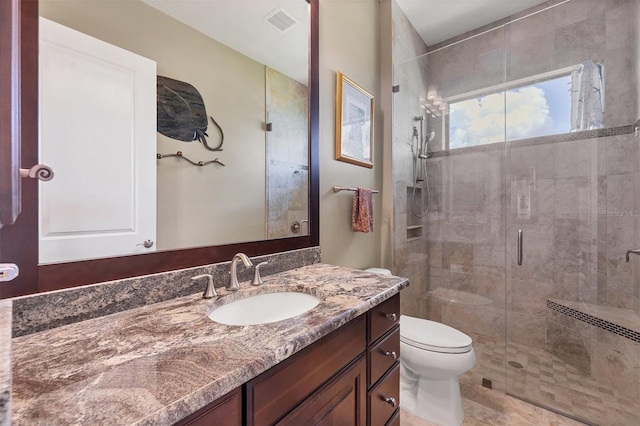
(391, 354)
(391, 401)
(392, 316)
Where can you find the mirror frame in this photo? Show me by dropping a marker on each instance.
(19, 242)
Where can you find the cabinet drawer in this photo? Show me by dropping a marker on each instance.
(383, 355)
(277, 391)
(383, 317)
(381, 407)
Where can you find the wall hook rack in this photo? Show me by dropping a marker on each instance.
(198, 163)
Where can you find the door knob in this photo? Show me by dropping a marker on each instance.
(146, 244)
(39, 171)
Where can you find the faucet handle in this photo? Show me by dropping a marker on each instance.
(257, 279)
(210, 291)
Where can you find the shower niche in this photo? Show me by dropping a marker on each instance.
(414, 204)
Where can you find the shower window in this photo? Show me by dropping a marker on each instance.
(571, 100)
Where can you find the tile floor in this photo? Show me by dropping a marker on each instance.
(548, 381)
(484, 407)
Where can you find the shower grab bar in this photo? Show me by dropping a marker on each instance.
(199, 163)
(520, 238)
(636, 251)
(337, 188)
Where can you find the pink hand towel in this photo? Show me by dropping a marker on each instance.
(362, 215)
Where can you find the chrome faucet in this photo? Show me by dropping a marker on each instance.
(233, 277)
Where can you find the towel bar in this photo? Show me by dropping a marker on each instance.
(337, 188)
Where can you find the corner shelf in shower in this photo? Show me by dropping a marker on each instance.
(619, 321)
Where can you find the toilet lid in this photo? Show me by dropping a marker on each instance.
(433, 336)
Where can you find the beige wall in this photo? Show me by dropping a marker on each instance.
(196, 206)
(349, 43)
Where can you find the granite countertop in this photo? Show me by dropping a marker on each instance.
(5, 360)
(159, 363)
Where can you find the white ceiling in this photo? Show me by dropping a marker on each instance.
(240, 25)
(439, 20)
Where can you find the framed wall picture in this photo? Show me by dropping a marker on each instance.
(354, 123)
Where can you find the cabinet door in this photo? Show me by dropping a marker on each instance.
(341, 401)
(279, 390)
(18, 142)
(10, 131)
(226, 410)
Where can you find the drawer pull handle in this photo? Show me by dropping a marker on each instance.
(391, 401)
(393, 317)
(391, 354)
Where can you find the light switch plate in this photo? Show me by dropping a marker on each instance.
(8, 271)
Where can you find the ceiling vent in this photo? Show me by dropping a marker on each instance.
(281, 19)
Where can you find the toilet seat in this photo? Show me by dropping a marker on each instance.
(433, 336)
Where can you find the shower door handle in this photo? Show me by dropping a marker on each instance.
(636, 251)
(520, 237)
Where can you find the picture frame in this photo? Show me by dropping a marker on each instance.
(354, 123)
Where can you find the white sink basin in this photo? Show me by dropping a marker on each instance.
(264, 308)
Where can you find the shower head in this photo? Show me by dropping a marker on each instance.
(431, 136)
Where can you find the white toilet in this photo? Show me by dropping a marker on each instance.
(432, 356)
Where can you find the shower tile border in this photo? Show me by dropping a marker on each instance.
(541, 140)
(595, 321)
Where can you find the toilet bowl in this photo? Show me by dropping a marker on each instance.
(432, 356)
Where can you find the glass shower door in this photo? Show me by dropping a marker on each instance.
(572, 211)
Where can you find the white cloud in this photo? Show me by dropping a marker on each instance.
(483, 120)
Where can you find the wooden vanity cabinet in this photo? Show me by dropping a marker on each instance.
(349, 377)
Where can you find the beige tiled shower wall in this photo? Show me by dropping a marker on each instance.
(287, 154)
(637, 180)
(409, 73)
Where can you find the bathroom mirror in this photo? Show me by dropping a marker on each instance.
(245, 192)
(247, 60)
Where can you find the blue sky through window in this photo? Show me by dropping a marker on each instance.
(539, 109)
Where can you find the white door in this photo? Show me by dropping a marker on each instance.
(98, 132)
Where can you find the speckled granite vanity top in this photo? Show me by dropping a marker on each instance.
(158, 363)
